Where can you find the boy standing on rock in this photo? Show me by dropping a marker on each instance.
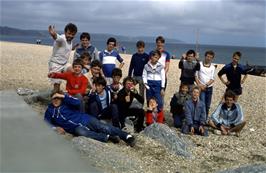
(61, 51)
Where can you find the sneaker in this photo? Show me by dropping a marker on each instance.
(114, 139)
(131, 141)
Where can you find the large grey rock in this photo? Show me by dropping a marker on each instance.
(168, 138)
(107, 156)
(256, 168)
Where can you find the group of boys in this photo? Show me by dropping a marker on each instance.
(94, 91)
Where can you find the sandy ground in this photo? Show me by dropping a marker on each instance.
(26, 65)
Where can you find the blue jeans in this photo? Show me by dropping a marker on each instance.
(99, 131)
(178, 120)
(206, 98)
(155, 91)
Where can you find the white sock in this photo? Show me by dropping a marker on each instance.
(129, 136)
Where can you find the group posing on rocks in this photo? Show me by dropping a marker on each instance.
(94, 91)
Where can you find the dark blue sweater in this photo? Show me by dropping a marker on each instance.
(137, 64)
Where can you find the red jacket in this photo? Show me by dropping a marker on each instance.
(154, 117)
(75, 84)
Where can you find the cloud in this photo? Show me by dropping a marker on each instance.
(172, 18)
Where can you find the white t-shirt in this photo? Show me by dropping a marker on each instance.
(61, 50)
(205, 74)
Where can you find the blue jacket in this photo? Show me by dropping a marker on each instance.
(223, 116)
(67, 115)
(195, 113)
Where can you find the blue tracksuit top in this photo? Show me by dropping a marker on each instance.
(137, 64)
(67, 115)
(233, 75)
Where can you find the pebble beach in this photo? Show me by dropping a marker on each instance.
(26, 66)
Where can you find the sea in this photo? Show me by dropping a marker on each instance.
(223, 53)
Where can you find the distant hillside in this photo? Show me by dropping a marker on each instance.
(9, 31)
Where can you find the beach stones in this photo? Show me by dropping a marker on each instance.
(256, 168)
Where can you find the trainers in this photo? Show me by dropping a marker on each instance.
(131, 141)
(114, 139)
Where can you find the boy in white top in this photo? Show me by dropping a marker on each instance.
(61, 51)
(205, 78)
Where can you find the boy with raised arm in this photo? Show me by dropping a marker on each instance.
(61, 51)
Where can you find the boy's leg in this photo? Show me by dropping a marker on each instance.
(203, 95)
(139, 114)
(113, 111)
(238, 128)
(84, 131)
(177, 121)
(93, 109)
(185, 129)
(208, 97)
(108, 129)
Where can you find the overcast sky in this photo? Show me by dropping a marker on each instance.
(224, 22)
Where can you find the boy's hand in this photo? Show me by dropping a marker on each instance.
(201, 129)
(60, 130)
(226, 83)
(51, 75)
(162, 92)
(183, 56)
(58, 96)
(52, 31)
(202, 87)
(192, 131)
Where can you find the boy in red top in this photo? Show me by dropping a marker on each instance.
(153, 115)
(76, 82)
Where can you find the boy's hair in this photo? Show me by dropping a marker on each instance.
(238, 54)
(191, 52)
(128, 78)
(96, 63)
(85, 35)
(182, 85)
(117, 72)
(100, 81)
(85, 55)
(111, 39)
(54, 92)
(140, 43)
(230, 94)
(196, 88)
(160, 38)
(71, 27)
(153, 98)
(154, 52)
(77, 62)
(209, 52)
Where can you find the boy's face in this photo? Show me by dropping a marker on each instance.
(235, 59)
(209, 58)
(69, 35)
(129, 85)
(184, 89)
(96, 71)
(195, 94)
(229, 101)
(99, 88)
(56, 101)
(85, 42)
(86, 61)
(77, 69)
(160, 45)
(155, 58)
(110, 46)
(141, 49)
(153, 104)
(190, 57)
(116, 79)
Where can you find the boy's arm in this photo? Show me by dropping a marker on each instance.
(203, 116)
(180, 64)
(71, 101)
(52, 32)
(167, 62)
(244, 78)
(240, 115)
(163, 78)
(120, 60)
(144, 76)
(220, 75)
(58, 75)
(131, 66)
(96, 54)
(188, 115)
(48, 119)
(215, 115)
